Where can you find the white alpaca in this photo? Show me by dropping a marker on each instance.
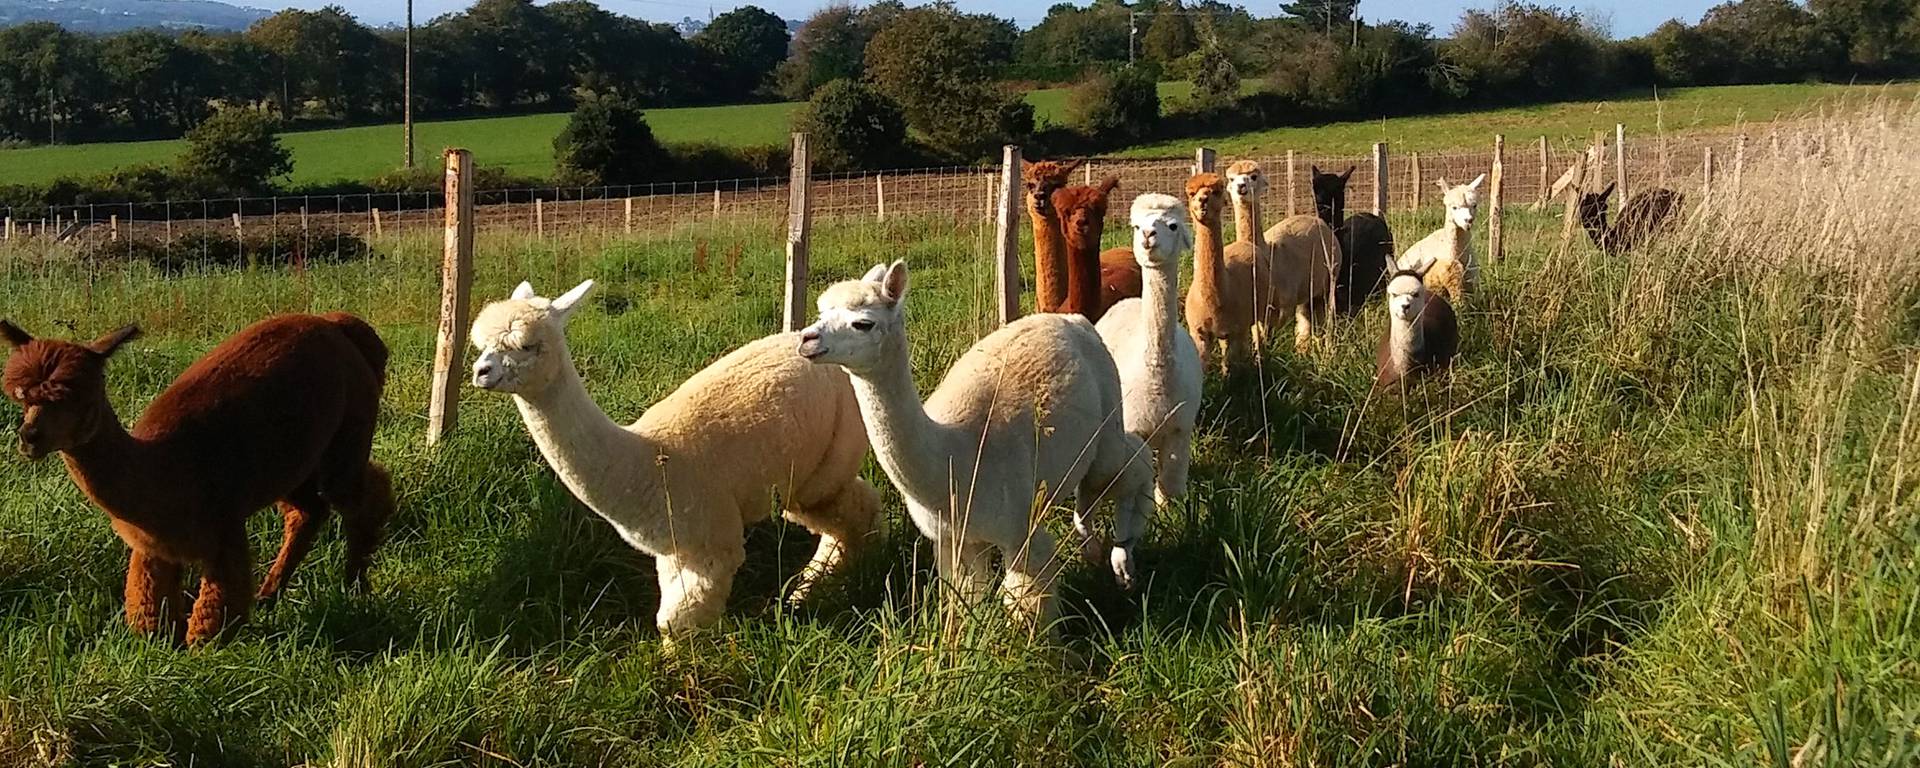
(1160, 369)
(1030, 413)
(683, 482)
(1448, 252)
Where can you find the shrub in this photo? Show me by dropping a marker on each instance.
(607, 141)
(851, 125)
(1216, 82)
(941, 66)
(214, 250)
(237, 151)
(1118, 107)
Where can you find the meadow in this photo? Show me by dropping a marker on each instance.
(523, 144)
(1663, 512)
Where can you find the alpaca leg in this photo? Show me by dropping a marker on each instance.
(1203, 342)
(154, 599)
(305, 513)
(844, 523)
(1028, 586)
(226, 591)
(365, 521)
(694, 587)
(965, 567)
(1302, 326)
(1239, 350)
(1131, 488)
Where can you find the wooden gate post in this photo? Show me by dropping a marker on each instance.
(1203, 160)
(1380, 178)
(1413, 193)
(1292, 191)
(1496, 201)
(1706, 179)
(799, 230)
(456, 285)
(1007, 241)
(1739, 161)
(880, 198)
(1620, 190)
(1546, 173)
(627, 216)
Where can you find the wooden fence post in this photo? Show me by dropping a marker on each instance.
(303, 221)
(379, 224)
(1203, 161)
(1706, 178)
(1007, 243)
(716, 202)
(1089, 173)
(540, 218)
(1496, 202)
(1739, 161)
(1546, 173)
(1413, 194)
(1620, 166)
(799, 229)
(1292, 190)
(113, 220)
(7, 233)
(240, 240)
(627, 217)
(1380, 178)
(456, 283)
(880, 198)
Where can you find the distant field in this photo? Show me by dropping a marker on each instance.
(524, 144)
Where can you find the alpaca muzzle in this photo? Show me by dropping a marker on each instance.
(812, 345)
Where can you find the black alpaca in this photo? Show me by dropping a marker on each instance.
(1645, 214)
(1365, 241)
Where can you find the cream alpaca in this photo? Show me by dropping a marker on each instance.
(1246, 285)
(1212, 317)
(1032, 408)
(1449, 250)
(1160, 373)
(1293, 262)
(682, 483)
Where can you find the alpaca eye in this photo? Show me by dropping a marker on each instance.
(1173, 227)
(863, 325)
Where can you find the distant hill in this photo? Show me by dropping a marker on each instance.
(97, 16)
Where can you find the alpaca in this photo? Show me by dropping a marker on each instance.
(1366, 242)
(1646, 214)
(1293, 262)
(1160, 372)
(1029, 413)
(1049, 244)
(1448, 252)
(683, 482)
(280, 413)
(1248, 259)
(1215, 313)
(1423, 334)
(1083, 216)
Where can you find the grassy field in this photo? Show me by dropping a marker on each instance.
(1663, 513)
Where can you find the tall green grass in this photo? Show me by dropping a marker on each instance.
(1662, 513)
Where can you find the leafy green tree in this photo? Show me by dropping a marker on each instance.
(1071, 37)
(238, 71)
(1522, 52)
(1881, 36)
(748, 43)
(511, 45)
(1216, 81)
(1322, 15)
(1169, 33)
(851, 125)
(941, 66)
(1118, 107)
(830, 46)
(237, 152)
(608, 141)
(1770, 41)
(50, 83)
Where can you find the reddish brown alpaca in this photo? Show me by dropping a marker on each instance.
(1042, 179)
(1083, 216)
(281, 412)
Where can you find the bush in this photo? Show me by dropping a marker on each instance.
(1116, 108)
(1216, 82)
(607, 141)
(212, 250)
(851, 125)
(942, 67)
(237, 151)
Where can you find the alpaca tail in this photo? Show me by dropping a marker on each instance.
(365, 339)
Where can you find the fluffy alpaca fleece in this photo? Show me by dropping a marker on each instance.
(1448, 252)
(1292, 264)
(1366, 242)
(1160, 371)
(1028, 414)
(1646, 213)
(1042, 179)
(683, 482)
(1422, 334)
(282, 412)
(1215, 313)
(1083, 217)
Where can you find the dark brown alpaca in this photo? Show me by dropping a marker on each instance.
(1042, 179)
(283, 412)
(1083, 216)
(1645, 214)
(1365, 241)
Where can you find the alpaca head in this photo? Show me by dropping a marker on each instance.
(523, 340)
(61, 385)
(1245, 181)
(1044, 178)
(1593, 206)
(1462, 201)
(860, 320)
(1406, 290)
(1330, 192)
(1083, 210)
(1206, 193)
(1160, 231)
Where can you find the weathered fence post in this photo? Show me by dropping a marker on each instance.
(1413, 193)
(880, 198)
(1706, 178)
(1546, 172)
(1620, 166)
(1496, 201)
(456, 282)
(540, 218)
(716, 202)
(1292, 190)
(1380, 178)
(7, 234)
(1739, 161)
(1007, 241)
(240, 240)
(113, 220)
(627, 217)
(303, 221)
(379, 224)
(1203, 161)
(799, 227)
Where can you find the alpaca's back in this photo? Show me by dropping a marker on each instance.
(1365, 244)
(1450, 276)
(1305, 256)
(1646, 213)
(762, 402)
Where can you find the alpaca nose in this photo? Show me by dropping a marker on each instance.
(483, 375)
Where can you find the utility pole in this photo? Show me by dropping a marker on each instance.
(407, 99)
(1133, 31)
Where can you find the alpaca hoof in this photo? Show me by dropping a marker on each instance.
(1123, 568)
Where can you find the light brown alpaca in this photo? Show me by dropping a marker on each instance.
(1212, 317)
(1049, 245)
(1305, 256)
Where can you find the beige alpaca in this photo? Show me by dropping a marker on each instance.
(1160, 371)
(1030, 413)
(1292, 263)
(683, 482)
(1212, 318)
(1449, 250)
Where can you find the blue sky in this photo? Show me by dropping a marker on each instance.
(1629, 17)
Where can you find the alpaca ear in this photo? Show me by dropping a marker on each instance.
(878, 273)
(1478, 181)
(106, 345)
(896, 281)
(1608, 191)
(15, 337)
(1393, 264)
(567, 301)
(1072, 165)
(1443, 185)
(522, 292)
(1315, 169)
(1348, 173)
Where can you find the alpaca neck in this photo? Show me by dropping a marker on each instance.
(1246, 220)
(1209, 254)
(575, 436)
(924, 458)
(1332, 210)
(1400, 339)
(119, 471)
(1459, 241)
(1603, 236)
(1083, 273)
(1049, 259)
(1161, 297)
